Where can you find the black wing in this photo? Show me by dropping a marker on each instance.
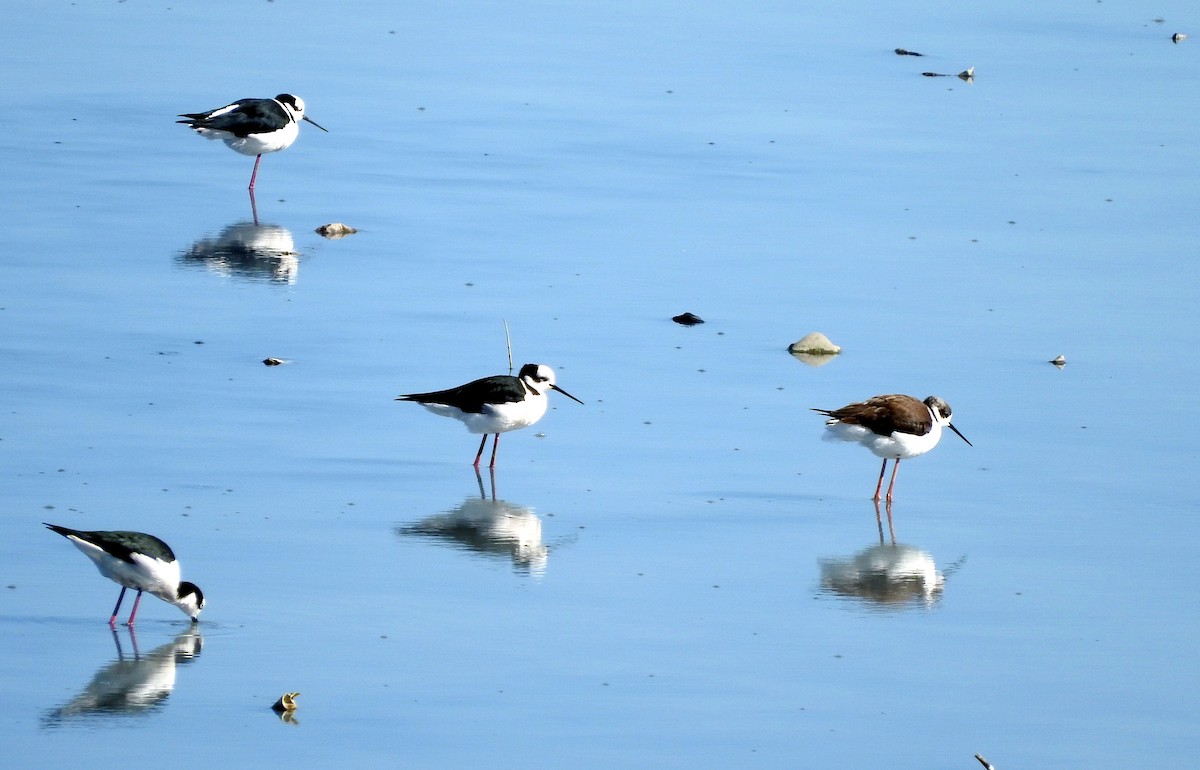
(472, 397)
(121, 544)
(247, 116)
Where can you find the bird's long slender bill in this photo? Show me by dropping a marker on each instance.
(568, 395)
(964, 438)
(315, 123)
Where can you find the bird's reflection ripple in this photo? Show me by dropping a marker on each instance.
(489, 527)
(887, 575)
(132, 685)
(247, 250)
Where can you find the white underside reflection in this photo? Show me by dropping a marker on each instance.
(258, 252)
(132, 685)
(887, 575)
(489, 527)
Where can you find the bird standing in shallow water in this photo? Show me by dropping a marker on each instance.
(495, 405)
(140, 561)
(253, 126)
(894, 427)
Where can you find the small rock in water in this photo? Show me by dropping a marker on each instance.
(1060, 362)
(688, 319)
(272, 361)
(815, 344)
(335, 230)
(902, 52)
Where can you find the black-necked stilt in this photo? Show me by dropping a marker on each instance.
(894, 427)
(495, 405)
(253, 126)
(139, 561)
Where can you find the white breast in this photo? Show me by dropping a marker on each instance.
(898, 446)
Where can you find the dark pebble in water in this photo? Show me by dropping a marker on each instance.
(272, 361)
(902, 52)
(688, 319)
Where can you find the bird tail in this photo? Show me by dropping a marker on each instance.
(825, 412)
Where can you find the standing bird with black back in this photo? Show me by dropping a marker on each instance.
(138, 561)
(495, 405)
(894, 427)
(253, 126)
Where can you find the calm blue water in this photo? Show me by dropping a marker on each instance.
(679, 573)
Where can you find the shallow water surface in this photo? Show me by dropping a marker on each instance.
(678, 573)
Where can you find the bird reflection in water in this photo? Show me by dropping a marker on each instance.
(886, 576)
(489, 527)
(130, 686)
(247, 250)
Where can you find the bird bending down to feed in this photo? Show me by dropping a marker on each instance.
(495, 405)
(140, 561)
(253, 126)
(894, 427)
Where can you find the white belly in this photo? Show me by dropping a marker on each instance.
(898, 446)
(256, 144)
(499, 418)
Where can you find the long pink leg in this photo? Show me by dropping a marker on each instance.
(879, 486)
(253, 207)
(495, 443)
(480, 452)
(120, 598)
(895, 468)
(255, 174)
(136, 602)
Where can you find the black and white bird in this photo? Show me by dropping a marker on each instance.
(253, 126)
(139, 561)
(894, 427)
(495, 405)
